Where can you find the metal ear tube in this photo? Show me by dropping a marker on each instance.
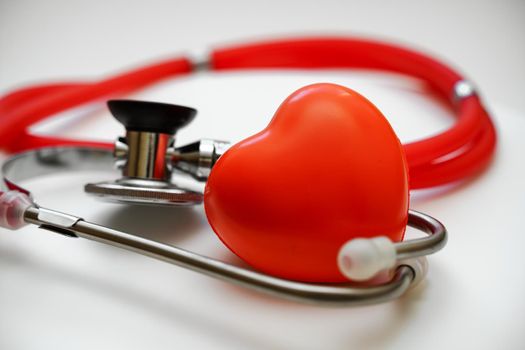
(405, 274)
(409, 266)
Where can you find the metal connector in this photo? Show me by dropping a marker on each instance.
(462, 89)
(198, 158)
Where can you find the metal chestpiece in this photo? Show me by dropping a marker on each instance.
(148, 158)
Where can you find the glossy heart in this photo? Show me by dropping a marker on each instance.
(328, 168)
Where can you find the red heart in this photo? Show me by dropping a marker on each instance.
(328, 168)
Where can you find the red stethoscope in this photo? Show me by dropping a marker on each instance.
(316, 203)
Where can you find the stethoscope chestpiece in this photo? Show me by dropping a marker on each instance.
(148, 158)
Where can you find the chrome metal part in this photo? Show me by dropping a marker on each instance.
(436, 239)
(120, 150)
(198, 158)
(146, 155)
(462, 89)
(56, 218)
(142, 191)
(57, 222)
(142, 154)
(199, 65)
(403, 277)
(195, 159)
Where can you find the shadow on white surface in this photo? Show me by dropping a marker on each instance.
(163, 224)
(375, 333)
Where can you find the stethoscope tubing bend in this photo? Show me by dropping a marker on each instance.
(408, 272)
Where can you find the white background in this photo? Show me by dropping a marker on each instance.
(61, 293)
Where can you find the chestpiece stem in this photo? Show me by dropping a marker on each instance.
(147, 155)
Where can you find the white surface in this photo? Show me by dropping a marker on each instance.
(60, 293)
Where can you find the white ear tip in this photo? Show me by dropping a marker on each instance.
(360, 259)
(419, 266)
(13, 204)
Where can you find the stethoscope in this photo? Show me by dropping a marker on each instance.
(299, 240)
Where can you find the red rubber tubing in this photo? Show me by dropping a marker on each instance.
(462, 151)
(21, 109)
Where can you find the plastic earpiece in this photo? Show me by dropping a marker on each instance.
(13, 204)
(360, 259)
(419, 266)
